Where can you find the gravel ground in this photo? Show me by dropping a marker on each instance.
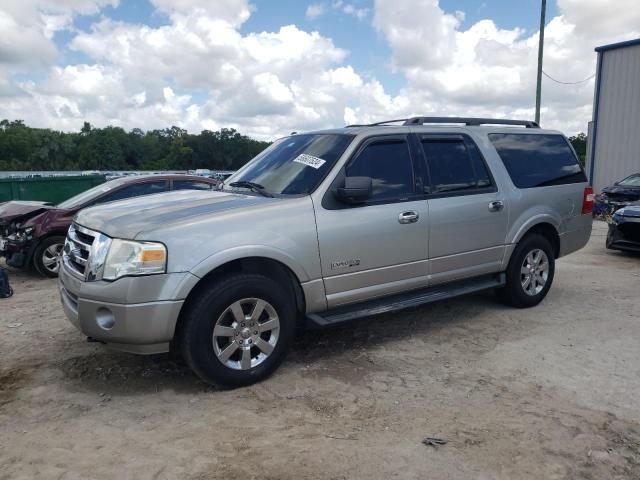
(549, 392)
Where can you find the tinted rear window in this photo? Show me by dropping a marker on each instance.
(537, 160)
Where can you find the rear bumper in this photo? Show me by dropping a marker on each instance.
(144, 327)
(574, 240)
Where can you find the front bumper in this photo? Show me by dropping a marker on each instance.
(133, 314)
(624, 235)
(16, 253)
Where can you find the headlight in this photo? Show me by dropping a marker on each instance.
(617, 217)
(127, 257)
(21, 234)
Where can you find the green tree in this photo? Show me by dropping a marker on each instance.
(579, 143)
(112, 148)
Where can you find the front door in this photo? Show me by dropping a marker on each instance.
(379, 247)
(468, 214)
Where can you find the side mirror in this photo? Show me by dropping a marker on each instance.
(355, 190)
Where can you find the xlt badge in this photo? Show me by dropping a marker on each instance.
(345, 263)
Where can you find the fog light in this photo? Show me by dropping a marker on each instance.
(104, 319)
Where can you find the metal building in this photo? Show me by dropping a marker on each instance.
(613, 151)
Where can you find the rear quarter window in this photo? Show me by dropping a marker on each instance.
(537, 160)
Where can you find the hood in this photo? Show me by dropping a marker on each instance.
(128, 218)
(22, 210)
(621, 189)
(630, 211)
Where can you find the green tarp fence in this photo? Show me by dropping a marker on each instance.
(46, 189)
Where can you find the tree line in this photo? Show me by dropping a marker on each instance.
(112, 148)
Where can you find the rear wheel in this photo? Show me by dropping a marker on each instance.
(46, 257)
(530, 272)
(238, 330)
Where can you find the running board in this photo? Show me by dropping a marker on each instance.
(401, 301)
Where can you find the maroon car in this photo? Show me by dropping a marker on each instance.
(33, 233)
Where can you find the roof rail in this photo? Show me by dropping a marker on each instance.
(470, 121)
(405, 120)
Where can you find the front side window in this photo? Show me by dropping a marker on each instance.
(135, 190)
(537, 160)
(388, 163)
(454, 165)
(293, 165)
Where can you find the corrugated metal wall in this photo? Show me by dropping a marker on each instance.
(617, 152)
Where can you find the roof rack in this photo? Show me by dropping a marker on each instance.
(377, 124)
(468, 121)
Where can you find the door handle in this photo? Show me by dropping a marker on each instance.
(408, 217)
(496, 206)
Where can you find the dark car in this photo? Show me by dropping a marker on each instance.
(619, 195)
(624, 229)
(33, 233)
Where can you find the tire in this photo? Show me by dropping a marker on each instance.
(518, 292)
(218, 359)
(46, 255)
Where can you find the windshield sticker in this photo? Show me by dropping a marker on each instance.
(309, 160)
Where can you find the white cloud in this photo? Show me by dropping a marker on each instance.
(27, 28)
(359, 13)
(234, 12)
(486, 70)
(315, 10)
(200, 70)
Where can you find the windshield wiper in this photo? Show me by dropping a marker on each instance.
(254, 187)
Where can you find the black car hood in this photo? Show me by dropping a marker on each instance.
(20, 211)
(622, 190)
(632, 211)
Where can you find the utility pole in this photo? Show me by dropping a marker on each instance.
(543, 12)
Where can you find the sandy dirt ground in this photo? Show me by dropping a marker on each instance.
(549, 392)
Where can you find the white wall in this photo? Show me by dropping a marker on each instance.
(617, 152)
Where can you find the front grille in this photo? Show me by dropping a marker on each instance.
(77, 249)
(630, 232)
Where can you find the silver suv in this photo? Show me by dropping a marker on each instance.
(322, 228)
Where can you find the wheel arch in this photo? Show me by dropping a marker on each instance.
(269, 267)
(38, 241)
(545, 228)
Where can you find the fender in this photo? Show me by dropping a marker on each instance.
(519, 229)
(236, 253)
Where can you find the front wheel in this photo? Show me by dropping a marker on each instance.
(530, 272)
(46, 257)
(238, 331)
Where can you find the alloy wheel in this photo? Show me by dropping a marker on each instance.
(246, 333)
(51, 257)
(534, 272)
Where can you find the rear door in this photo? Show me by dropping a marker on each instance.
(379, 247)
(468, 214)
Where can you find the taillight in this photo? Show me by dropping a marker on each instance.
(587, 200)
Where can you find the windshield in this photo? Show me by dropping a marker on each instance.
(85, 196)
(293, 165)
(631, 181)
